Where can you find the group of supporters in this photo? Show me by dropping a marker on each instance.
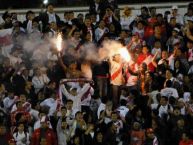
(47, 98)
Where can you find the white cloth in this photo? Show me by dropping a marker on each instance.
(34, 113)
(140, 32)
(171, 62)
(114, 66)
(156, 50)
(132, 79)
(183, 110)
(186, 18)
(179, 19)
(29, 26)
(190, 71)
(148, 59)
(8, 103)
(52, 56)
(168, 92)
(39, 82)
(126, 21)
(70, 115)
(102, 107)
(51, 103)
(186, 96)
(21, 139)
(77, 102)
(63, 135)
(37, 124)
(122, 110)
(99, 33)
(162, 109)
(14, 60)
(51, 17)
(153, 96)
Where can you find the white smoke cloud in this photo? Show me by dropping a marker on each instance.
(108, 49)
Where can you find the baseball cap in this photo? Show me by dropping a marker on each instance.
(176, 29)
(174, 7)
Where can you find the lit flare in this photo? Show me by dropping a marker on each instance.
(124, 54)
(59, 42)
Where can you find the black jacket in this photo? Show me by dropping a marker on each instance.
(45, 20)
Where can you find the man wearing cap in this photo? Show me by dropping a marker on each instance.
(179, 18)
(175, 38)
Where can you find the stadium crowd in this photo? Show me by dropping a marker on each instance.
(46, 98)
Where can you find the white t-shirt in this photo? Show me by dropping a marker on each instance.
(102, 107)
(169, 92)
(77, 102)
(126, 21)
(122, 110)
(19, 138)
(162, 109)
(153, 96)
(132, 79)
(52, 103)
(119, 78)
(39, 81)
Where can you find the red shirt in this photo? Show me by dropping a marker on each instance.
(142, 57)
(137, 137)
(49, 136)
(148, 32)
(189, 142)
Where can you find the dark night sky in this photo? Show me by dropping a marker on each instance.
(60, 3)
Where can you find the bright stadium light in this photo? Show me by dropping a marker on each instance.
(45, 2)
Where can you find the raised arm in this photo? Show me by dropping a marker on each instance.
(61, 62)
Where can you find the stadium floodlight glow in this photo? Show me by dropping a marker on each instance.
(45, 2)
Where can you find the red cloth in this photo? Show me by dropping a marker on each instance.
(50, 137)
(152, 20)
(6, 40)
(137, 137)
(189, 142)
(141, 58)
(26, 116)
(148, 32)
(163, 29)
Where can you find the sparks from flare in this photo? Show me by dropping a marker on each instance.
(59, 42)
(124, 54)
